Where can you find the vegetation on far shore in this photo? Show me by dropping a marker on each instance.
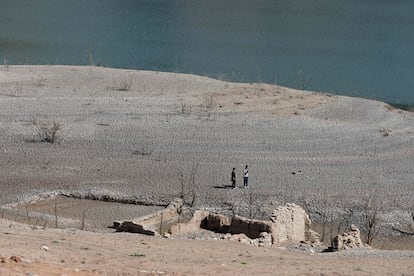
(406, 107)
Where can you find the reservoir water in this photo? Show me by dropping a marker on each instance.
(348, 47)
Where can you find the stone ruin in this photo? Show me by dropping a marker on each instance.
(288, 223)
(348, 240)
(153, 224)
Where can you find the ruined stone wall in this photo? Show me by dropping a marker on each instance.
(152, 223)
(288, 223)
(250, 227)
(348, 240)
(197, 222)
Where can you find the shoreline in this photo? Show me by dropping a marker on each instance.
(406, 107)
(399, 105)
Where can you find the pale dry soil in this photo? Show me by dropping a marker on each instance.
(149, 137)
(75, 252)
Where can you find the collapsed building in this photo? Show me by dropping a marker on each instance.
(288, 223)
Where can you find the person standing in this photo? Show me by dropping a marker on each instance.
(233, 178)
(246, 177)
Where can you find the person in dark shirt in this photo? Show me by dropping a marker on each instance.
(233, 178)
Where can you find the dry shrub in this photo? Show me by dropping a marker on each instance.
(122, 85)
(49, 132)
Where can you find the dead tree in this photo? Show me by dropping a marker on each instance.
(371, 208)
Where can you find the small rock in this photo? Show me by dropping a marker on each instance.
(354, 228)
(240, 238)
(227, 236)
(26, 260)
(45, 248)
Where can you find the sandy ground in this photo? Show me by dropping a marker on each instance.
(75, 252)
(148, 137)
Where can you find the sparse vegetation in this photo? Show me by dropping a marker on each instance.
(5, 64)
(189, 192)
(83, 218)
(49, 132)
(90, 60)
(193, 184)
(137, 255)
(185, 109)
(385, 132)
(209, 102)
(161, 223)
(371, 207)
(182, 184)
(144, 151)
(302, 81)
(122, 85)
(406, 107)
(56, 216)
(40, 82)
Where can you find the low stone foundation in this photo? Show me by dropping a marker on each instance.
(288, 223)
(153, 224)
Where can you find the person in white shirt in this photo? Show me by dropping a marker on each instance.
(246, 177)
